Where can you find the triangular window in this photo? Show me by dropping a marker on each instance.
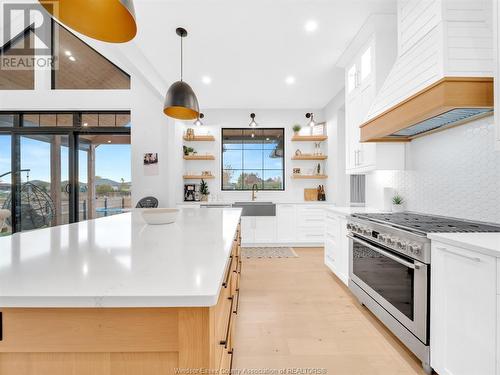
(82, 67)
(18, 76)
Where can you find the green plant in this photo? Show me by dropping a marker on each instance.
(187, 150)
(296, 128)
(204, 188)
(397, 200)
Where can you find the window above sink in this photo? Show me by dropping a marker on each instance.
(253, 157)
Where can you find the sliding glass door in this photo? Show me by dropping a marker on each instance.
(56, 169)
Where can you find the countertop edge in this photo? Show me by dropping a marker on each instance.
(439, 237)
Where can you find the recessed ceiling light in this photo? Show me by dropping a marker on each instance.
(206, 80)
(311, 26)
(67, 53)
(290, 80)
(72, 58)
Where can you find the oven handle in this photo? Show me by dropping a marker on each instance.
(385, 253)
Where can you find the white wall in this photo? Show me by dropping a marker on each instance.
(337, 187)
(214, 120)
(452, 173)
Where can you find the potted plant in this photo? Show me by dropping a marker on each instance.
(397, 203)
(188, 150)
(296, 129)
(204, 190)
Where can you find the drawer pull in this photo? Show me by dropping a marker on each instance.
(231, 353)
(319, 219)
(237, 302)
(228, 273)
(474, 259)
(224, 342)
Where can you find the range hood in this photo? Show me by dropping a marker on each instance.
(442, 76)
(451, 101)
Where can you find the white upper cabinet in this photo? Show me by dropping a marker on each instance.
(367, 63)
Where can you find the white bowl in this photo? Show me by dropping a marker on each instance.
(156, 216)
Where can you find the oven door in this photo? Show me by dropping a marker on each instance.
(398, 283)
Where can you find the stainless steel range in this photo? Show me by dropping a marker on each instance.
(389, 269)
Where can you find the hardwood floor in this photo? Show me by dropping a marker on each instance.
(294, 313)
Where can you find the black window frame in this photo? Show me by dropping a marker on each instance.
(72, 132)
(249, 189)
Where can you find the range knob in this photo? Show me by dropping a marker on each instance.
(390, 240)
(401, 244)
(349, 226)
(382, 237)
(367, 231)
(415, 248)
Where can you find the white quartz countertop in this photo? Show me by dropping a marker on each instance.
(119, 261)
(486, 243)
(346, 211)
(216, 203)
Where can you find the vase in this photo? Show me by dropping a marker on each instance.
(204, 198)
(398, 208)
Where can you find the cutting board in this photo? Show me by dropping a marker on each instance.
(310, 194)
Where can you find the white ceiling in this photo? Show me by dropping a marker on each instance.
(249, 47)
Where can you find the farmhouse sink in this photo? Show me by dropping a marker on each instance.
(256, 208)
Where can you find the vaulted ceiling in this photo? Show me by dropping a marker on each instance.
(250, 48)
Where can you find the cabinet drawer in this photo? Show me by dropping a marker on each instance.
(310, 210)
(312, 234)
(222, 321)
(311, 221)
(226, 363)
(331, 248)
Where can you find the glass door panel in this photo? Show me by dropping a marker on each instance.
(105, 174)
(44, 181)
(5, 184)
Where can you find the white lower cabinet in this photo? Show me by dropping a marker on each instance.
(265, 229)
(258, 229)
(464, 313)
(293, 225)
(285, 220)
(337, 246)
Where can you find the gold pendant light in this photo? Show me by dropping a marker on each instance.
(107, 20)
(181, 102)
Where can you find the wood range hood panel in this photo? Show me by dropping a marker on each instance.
(446, 96)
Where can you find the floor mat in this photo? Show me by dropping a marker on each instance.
(268, 252)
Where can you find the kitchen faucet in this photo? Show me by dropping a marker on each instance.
(255, 189)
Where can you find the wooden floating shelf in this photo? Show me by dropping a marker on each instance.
(309, 176)
(199, 157)
(309, 157)
(311, 138)
(200, 138)
(197, 177)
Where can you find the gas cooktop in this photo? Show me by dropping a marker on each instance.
(427, 223)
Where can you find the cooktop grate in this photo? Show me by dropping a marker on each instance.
(429, 224)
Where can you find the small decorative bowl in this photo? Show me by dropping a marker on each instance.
(157, 216)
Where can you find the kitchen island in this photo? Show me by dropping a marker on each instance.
(116, 296)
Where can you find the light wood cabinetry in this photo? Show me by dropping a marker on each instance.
(337, 245)
(365, 73)
(123, 341)
(464, 313)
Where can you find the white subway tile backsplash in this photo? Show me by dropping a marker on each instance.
(453, 173)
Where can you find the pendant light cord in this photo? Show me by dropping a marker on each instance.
(181, 59)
